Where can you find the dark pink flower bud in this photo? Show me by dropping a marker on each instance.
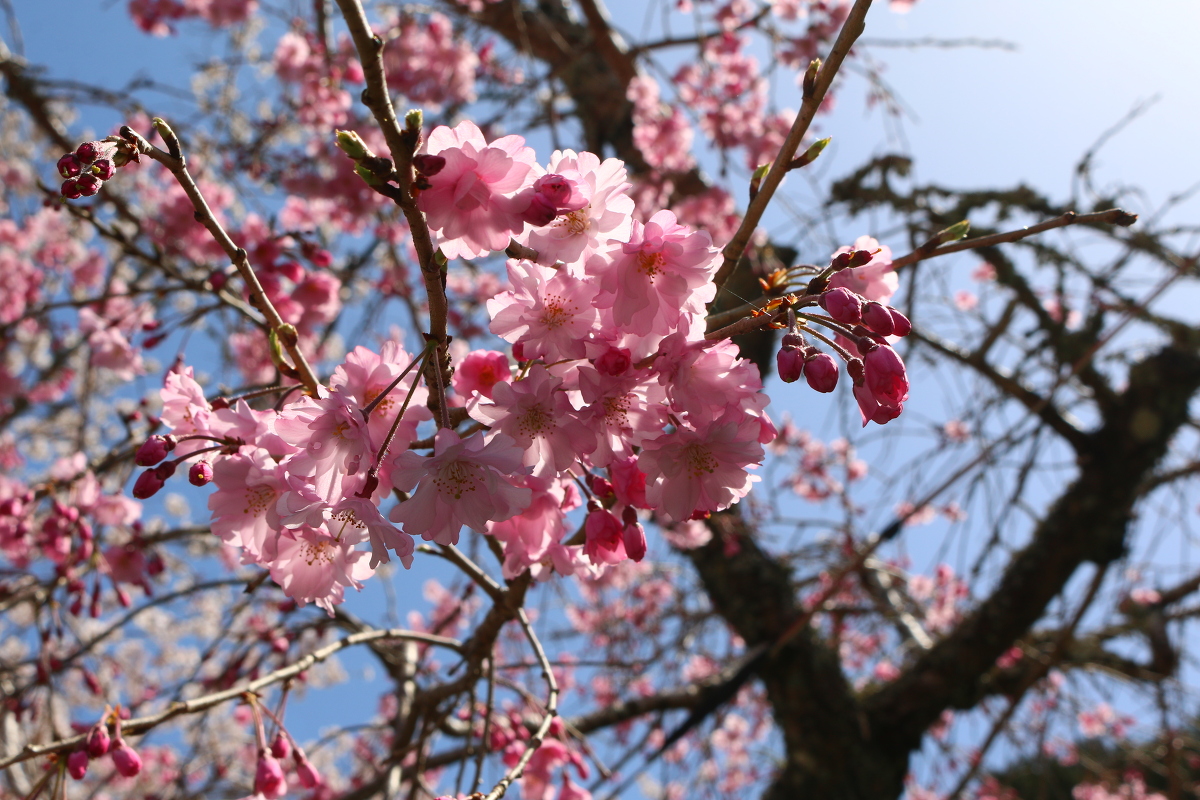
(554, 188)
(902, 327)
(269, 780)
(125, 758)
(600, 487)
(886, 379)
(70, 189)
(154, 450)
(280, 747)
(321, 258)
(859, 258)
(878, 319)
(305, 771)
(69, 166)
(77, 764)
(614, 362)
(147, 484)
(843, 305)
(218, 280)
(89, 151)
(634, 537)
(541, 211)
(88, 185)
(789, 361)
(821, 372)
(104, 169)
(840, 262)
(428, 165)
(200, 474)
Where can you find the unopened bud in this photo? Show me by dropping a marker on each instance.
(147, 485)
(555, 188)
(154, 450)
(88, 185)
(126, 759)
(69, 166)
(70, 189)
(821, 372)
(428, 165)
(89, 151)
(541, 211)
(104, 169)
(352, 145)
(901, 324)
(413, 119)
(200, 474)
(878, 319)
(77, 764)
(843, 305)
(280, 748)
(269, 780)
(809, 84)
(97, 741)
(859, 258)
(789, 362)
(305, 771)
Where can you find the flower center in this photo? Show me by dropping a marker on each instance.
(700, 460)
(457, 479)
(650, 264)
(576, 222)
(313, 552)
(258, 498)
(556, 313)
(535, 422)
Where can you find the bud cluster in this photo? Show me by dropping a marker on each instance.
(92, 164)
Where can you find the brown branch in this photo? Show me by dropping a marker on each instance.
(403, 144)
(1113, 216)
(143, 724)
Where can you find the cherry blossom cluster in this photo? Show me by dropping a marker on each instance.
(92, 163)
(613, 399)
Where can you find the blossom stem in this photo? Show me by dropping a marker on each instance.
(391, 434)
(369, 407)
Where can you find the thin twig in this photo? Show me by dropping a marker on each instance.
(176, 162)
(1113, 216)
(142, 724)
(851, 30)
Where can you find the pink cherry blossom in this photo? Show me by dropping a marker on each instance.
(314, 567)
(465, 482)
(548, 312)
(479, 372)
(578, 233)
(469, 204)
(875, 280)
(689, 471)
(538, 416)
(661, 274)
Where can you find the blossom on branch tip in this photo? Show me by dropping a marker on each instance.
(470, 203)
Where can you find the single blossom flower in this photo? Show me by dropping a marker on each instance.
(466, 482)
